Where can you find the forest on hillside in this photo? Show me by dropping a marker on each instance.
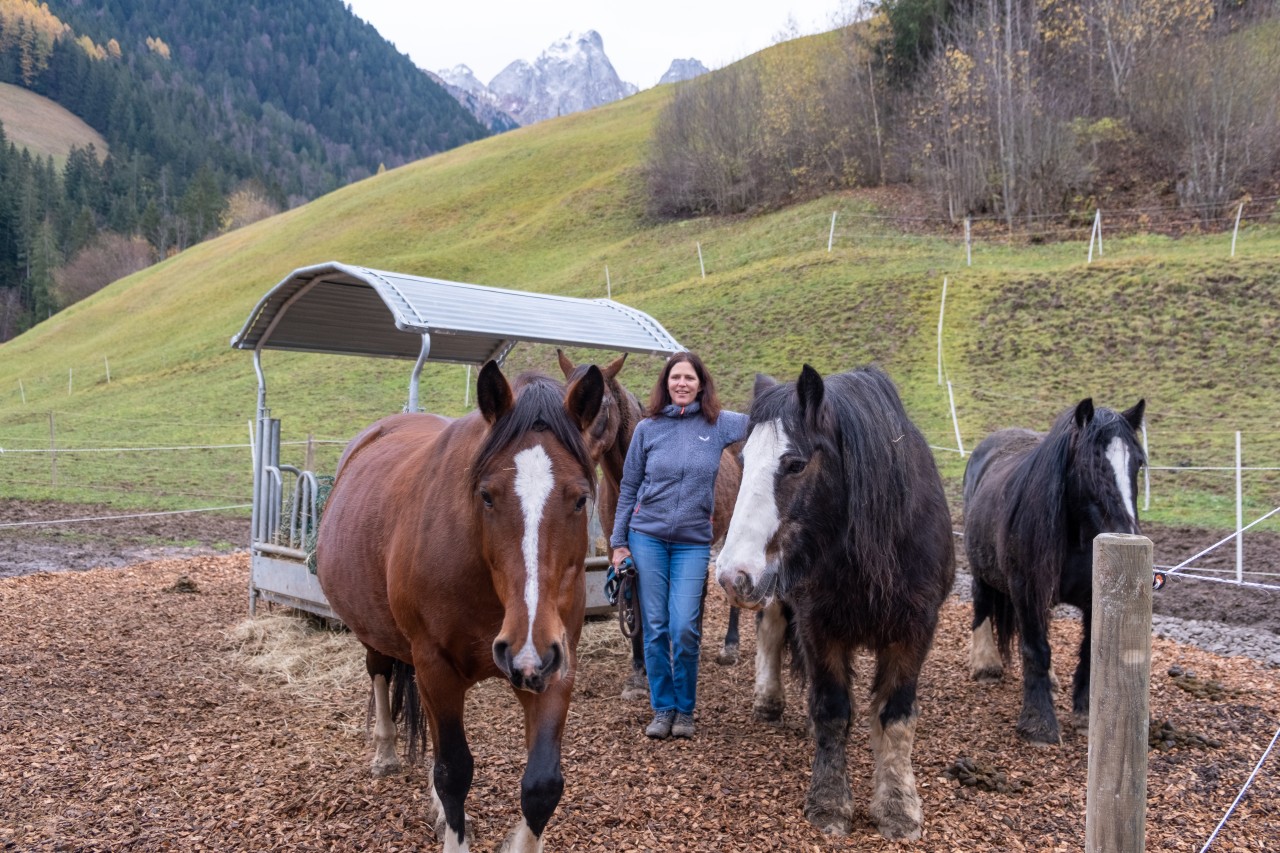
(215, 114)
(1007, 109)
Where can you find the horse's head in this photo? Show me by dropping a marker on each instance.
(787, 433)
(1102, 472)
(530, 483)
(617, 418)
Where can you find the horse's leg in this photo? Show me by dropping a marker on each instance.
(829, 805)
(385, 759)
(771, 636)
(1037, 723)
(637, 683)
(1080, 683)
(543, 781)
(728, 654)
(454, 765)
(985, 663)
(895, 805)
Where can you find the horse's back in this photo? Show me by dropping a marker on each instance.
(380, 470)
(998, 450)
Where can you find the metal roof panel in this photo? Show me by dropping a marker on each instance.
(342, 309)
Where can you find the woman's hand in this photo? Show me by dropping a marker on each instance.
(619, 554)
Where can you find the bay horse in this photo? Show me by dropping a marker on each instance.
(1033, 503)
(610, 439)
(454, 551)
(842, 519)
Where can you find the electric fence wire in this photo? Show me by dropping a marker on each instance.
(1240, 796)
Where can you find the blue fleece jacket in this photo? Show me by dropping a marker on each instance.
(669, 479)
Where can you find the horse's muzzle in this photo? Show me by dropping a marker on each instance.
(745, 592)
(527, 671)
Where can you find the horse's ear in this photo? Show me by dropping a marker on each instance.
(763, 383)
(1084, 412)
(810, 389)
(615, 366)
(1134, 415)
(566, 366)
(583, 399)
(493, 392)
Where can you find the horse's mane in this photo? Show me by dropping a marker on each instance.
(538, 406)
(1036, 518)
(863, 425)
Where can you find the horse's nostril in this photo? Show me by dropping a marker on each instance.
(553, 658)
(742, 585)
(502, 655)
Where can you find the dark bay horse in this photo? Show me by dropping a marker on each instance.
(842, 518)
(1033, 503)
(454, 551)
(610, 439)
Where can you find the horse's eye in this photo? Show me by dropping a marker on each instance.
(582, 502)
(795, 465)
(487, 498)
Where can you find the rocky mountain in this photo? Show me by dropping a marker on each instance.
(571, 75)
(462, 83)
(683, 69)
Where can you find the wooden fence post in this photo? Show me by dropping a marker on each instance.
(1119, 686)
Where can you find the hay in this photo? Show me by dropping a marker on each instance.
(308, 659)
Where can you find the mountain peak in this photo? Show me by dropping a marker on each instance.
(571, 75)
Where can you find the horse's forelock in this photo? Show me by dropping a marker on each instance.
(539, 406)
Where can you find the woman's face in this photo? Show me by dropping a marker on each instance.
(683, 384)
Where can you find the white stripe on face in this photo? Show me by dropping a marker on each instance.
(1118, 456)
(755, 516)
(533, 486)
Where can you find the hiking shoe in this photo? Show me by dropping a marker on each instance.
(683, 726)
(661, 725)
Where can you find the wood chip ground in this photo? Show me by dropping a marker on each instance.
(136, 713)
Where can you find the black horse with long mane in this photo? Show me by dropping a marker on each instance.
(1033, 503)
(842, 517)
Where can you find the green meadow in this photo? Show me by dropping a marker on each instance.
(115, 382)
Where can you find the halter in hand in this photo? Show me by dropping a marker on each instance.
(620, 590)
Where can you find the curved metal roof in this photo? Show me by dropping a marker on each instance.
(342, 309)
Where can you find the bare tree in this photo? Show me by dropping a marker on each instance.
(109, 257)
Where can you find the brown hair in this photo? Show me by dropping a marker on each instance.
(660, 396)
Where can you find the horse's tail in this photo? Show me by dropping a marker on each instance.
(406, 707)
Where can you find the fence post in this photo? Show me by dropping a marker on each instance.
(1119, 685)
(1236, 232)
(53, 454)
(951, 398)
(1239, 514)
(608, 285)
(968, 244)
(831, 236)
(107, 363)
(701, 265)
(941, 313)
(23, 391)
(309, 462)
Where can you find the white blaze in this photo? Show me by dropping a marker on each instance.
(1118, 456)
(533, 486)
(755, 516)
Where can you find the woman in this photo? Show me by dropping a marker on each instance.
(663, 523)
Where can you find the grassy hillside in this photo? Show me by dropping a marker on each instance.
(42, 127)
(1028, 330)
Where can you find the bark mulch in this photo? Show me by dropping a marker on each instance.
(131, 718)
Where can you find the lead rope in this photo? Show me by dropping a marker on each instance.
(620, 589)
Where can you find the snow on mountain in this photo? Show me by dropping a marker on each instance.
(571, 75)
(683, 69)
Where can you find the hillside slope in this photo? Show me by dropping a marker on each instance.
(43, 127)
(1028, 329)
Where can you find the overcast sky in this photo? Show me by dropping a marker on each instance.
(641, 37)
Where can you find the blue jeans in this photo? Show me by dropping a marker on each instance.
(672, 577)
